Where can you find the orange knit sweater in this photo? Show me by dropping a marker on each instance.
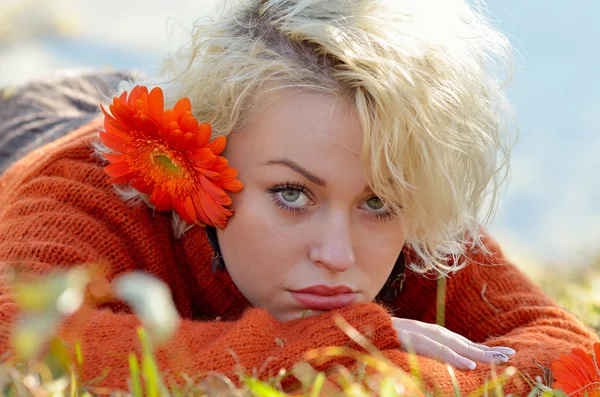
(56, 209)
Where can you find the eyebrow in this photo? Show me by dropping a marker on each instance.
(305, 173)
(302, 171)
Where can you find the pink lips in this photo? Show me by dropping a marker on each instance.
(322, 297)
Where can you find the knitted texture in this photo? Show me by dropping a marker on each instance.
(57, 210)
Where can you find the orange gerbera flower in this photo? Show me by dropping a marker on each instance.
(578, 373)
(167, 155)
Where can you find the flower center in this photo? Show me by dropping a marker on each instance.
(167, 164)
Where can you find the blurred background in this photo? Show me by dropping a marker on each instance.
(549, 216)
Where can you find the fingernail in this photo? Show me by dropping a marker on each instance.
(467, 363)
(505, 350)
(498, 355)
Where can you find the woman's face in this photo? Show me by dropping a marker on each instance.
(307, 232)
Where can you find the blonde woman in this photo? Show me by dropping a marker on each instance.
(366, 144)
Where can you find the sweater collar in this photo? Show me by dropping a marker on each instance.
(218, 295)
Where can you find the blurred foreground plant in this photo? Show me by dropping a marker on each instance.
(576, 289)
(43, 365)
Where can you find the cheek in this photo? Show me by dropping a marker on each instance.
(257, 251)
(378, 252)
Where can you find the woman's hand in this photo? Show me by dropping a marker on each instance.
(437, 342)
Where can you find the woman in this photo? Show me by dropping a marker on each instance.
(367, 136)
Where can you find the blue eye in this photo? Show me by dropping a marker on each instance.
(377, 208)
(375, 203)
(292, 197)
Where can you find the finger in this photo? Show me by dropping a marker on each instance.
(425, 346)
(505, 350)
(456, 342)
(468, 350)
(428, 329)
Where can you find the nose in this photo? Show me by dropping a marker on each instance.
(333, 247)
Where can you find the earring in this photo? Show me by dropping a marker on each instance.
(217, 258)
(394, 283)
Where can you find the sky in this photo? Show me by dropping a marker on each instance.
(549, 214)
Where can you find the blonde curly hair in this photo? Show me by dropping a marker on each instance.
(422, 75)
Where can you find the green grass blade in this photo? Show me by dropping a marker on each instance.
(441, 302)
(261, 389)
(78, 353)
(317, 384)
(134, 370)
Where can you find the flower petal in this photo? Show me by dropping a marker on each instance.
(217, 145)
(211, 189)
(138, 92)
(188, 142)
(566, 387)
(220, 164)
(597, 358)
(113, 157)
(140, 185)
(228, 181)
(207, 173)
(228, 173)
(557, 365)
(203, 158)
(562, 372)
(148, 125)
(234, 185)
(189, 124)
(188, 205)
(583, 366)
(223, 201)
(183, 105)
(204, 134)
(117, 169)
(586, 360)
(171, 128)
(123, 178)
(197, 200)
(112, 126)
(122, 113)
(564, 376)
(113, 142)
(180, 209)
(161, 200)
(168, 117)
(156, 103)
(141, 107)
(575, 367)
(216, 213)
(175, 138)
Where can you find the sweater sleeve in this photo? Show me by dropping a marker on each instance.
(255, 344)
(491, 301)
(56, 210)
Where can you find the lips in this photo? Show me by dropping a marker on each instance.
(322, 297)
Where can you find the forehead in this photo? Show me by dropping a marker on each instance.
(305, 120)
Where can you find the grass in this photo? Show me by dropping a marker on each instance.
(58, 374)
(577, 289)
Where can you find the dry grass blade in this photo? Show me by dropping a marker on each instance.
(382, 366)
(358, 338)
(493, 383)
